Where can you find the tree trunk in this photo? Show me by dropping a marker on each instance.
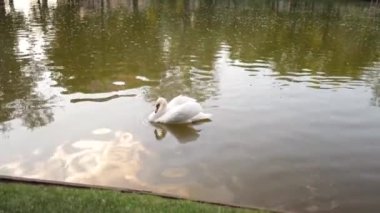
(135, 4)
(2, 9)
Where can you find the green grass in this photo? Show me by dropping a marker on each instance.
(39, 198)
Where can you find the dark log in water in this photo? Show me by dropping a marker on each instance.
(76, 100)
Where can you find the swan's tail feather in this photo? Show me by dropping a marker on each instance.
(202, 116)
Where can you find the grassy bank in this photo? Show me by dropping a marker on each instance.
(38, 198)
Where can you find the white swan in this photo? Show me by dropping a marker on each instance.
(180, 109)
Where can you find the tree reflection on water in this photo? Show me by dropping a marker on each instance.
(84, 46)
(21, 72)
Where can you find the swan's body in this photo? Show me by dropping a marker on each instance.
(180, 109)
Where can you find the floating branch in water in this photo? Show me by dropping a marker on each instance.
(76, 100)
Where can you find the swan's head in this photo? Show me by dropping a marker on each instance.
(160, 105)
(159, 109)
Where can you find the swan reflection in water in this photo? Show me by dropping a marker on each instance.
(183, 133)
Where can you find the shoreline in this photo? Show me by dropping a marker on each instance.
(51, 185)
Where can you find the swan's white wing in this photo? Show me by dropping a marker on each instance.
(181, 114)
(179, 100)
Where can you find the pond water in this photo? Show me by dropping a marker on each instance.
(293, 86)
